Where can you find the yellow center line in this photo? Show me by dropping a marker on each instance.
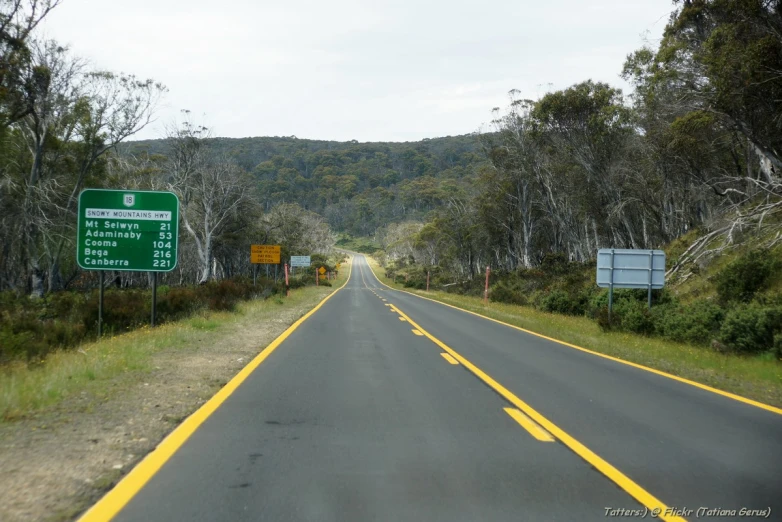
(529, 425)
(417, 332)
(661, 373)
(612, 473)
(447, 356)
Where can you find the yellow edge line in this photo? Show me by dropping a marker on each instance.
(448, 357)
(619, 478)
(729, 395)
(417, 332)
(113, 501)
(529, 425)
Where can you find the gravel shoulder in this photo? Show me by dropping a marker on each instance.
(57, 463)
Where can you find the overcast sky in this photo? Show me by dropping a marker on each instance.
(346, 69)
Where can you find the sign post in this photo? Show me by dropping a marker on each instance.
(287, 285)
(100, 303)
(427, 280)
(127, 230)
(154, 298)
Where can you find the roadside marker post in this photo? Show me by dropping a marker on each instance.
(317, 281)
(427, 280)
(287, 285)
(486, 289)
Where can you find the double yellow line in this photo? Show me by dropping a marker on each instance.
(533, 421)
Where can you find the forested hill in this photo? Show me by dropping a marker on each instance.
(356, 186)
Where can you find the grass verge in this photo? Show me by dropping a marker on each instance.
(758, 378)
(96, 369)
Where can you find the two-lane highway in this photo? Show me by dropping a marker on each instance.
(386, 406)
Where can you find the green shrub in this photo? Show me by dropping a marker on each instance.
(13, 345)
(177, 303)
(507, 292)
(745, 276)
(29, 329)
(561, 302)
(695, 323)
(634, 316)
(751, 328)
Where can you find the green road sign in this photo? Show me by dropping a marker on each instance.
(134, 230)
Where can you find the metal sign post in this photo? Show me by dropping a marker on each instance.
(100, 304)
(611, 288)
(287, 285)
(154, 298)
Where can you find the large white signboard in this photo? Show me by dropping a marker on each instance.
(625, 268)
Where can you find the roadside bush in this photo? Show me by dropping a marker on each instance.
(752, 328)
(561, 302)
(14, 345)
(178, 302)
(29, 329)
(695, 323)
(745, 276)
(634, 316)
(507, 292)
(122, 309)
(597, 298)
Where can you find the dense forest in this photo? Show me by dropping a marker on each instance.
(694, 151)
(357, 187)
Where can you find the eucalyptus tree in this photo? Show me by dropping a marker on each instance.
(214, 192)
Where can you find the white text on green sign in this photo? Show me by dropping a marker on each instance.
(127, 230)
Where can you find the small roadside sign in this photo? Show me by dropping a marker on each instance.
(265, 254)
(300, 261)
(322, 270)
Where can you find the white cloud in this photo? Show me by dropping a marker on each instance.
(347, 69)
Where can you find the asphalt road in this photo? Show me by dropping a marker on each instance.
(356, 416)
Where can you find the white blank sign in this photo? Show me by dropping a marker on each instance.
(631, 268)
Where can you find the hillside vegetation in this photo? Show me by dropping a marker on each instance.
(357, 187)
